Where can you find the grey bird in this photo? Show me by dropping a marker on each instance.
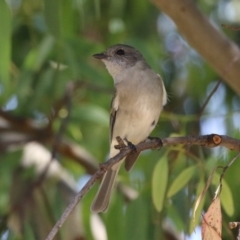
(137, 103)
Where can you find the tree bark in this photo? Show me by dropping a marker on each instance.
(221, 53)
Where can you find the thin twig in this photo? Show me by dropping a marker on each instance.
(199, 115)
(208, 99)
(234, 28)
(226, 167)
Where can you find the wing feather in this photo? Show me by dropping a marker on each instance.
(113, 114)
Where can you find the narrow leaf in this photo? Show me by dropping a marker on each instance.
(52, 17)
(181, 180)
(201, 196)
(227, 199)
(225, 195)
(198, 206)
(5, 43)
(159, 183)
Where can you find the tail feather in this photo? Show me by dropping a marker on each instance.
(101, 201)
(130, 160)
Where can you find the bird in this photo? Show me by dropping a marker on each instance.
(135, 109)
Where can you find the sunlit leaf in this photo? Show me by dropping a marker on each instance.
(225, 195)
(159, 183)
(227, 199)
(181, 180)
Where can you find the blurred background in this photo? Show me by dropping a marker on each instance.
(54, 121)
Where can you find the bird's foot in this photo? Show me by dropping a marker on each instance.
(121, 143)
(131, 146)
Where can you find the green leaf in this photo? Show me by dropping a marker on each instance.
(227, 199)
(60, 18)
(225, 195)
(181, 180)
(159, 183)
(174, 214)
(136, 211)
(91, 113)
(37, 56)
(52, 16)
(5, 43)
(197, 210)
(118, 227)
(67, 18)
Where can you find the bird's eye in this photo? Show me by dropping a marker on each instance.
(120, 52)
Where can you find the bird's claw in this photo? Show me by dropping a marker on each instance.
(131, 146)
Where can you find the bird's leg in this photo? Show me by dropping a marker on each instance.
(131, 146)
(121, 143)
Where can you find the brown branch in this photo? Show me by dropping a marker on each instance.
(79, 155)
(212, 140)
(220, 52)
(234, 28)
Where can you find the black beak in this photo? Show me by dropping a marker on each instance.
(100, 55)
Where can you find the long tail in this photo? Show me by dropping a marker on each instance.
(130, 160)
(101, 201)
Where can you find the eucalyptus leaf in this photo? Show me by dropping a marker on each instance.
(5, 43)
(181, 180)
(225, 195)
(227, 199)
(159, 183)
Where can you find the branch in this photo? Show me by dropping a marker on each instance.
(222, 54)
(78, 154)
(212, 140)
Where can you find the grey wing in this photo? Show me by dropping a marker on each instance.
(164, 92)
(112, 122)
(113, 114)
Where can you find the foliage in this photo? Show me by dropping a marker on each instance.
(46, 49)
